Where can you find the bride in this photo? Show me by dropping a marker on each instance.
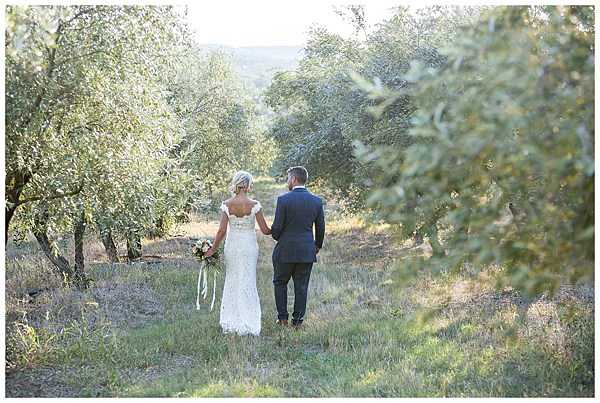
(240, 306)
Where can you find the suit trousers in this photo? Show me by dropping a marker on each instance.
(300, 273)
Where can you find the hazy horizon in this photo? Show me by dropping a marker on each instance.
(251, 46)
(270, 23)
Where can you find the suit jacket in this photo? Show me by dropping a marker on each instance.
(296, 213)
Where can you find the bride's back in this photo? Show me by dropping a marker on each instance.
(240, 206)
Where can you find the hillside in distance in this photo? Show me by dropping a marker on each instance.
(256, 65)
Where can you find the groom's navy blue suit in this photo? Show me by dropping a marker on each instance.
(296, 213)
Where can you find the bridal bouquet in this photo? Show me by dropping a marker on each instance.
(208, 265)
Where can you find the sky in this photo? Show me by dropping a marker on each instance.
(273, 23)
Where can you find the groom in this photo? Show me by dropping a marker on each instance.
(296, 248)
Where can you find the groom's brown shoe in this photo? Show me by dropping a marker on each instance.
(282, 322)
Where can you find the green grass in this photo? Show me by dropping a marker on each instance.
(363, 336)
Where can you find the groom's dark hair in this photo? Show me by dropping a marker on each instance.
(300, 173)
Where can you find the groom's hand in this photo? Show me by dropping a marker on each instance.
(317, 252)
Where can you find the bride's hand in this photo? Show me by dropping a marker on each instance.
(209, 252)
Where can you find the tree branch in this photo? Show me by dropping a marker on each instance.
(53, 197)
(79, 14)
(69, 59)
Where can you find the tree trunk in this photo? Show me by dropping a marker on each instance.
(70, 275)
(436, 247)
(158, 231)
(10, 212)
(49, 248)
(79, 277)
(61, 264)
(109, 245)
(134, 247)
(417, 237)
(464, 231)
(14, 187)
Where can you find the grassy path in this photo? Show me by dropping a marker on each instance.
(137, 333)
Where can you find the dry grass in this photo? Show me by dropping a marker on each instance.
(137, 333)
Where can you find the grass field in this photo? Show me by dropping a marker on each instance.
(136, 332)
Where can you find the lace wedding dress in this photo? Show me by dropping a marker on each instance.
(240, 306)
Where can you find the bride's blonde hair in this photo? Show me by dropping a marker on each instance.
(241, 180)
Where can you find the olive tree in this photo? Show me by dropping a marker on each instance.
(502, 153)
(86, 116)
(320, 110)
(216, 113)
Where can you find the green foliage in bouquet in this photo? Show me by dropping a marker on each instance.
(200, 248)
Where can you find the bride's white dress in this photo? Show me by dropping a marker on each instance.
(240, 306)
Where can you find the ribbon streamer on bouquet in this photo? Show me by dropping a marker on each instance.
(203, 282)
(202, 264)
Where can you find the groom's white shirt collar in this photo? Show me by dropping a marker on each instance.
(299, 186)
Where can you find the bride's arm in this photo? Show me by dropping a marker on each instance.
(260, 219)
(221, 232)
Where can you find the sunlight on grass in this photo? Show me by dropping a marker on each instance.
(199, 229)
(250, 389)
(370, 377)
(360, 337)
